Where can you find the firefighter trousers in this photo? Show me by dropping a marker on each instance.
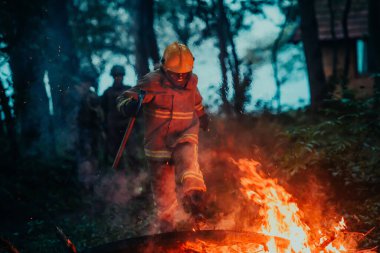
(171, 180)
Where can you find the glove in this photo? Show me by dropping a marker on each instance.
(194, 203)
(130, 108)
(204, 121)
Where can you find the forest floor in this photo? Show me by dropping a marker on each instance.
(36, 196)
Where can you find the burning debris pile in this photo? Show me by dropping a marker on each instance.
(281, 218)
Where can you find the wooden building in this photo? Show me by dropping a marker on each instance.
(360, 81)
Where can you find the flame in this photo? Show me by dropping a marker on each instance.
(281, 221)
(281, 216)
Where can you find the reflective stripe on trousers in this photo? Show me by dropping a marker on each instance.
(172, 179)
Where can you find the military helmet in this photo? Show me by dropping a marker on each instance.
(178, 58)
(117, 70)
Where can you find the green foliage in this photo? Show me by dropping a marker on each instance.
(343, 140)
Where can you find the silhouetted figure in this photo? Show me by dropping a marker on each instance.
(89, 119)
(115, 122)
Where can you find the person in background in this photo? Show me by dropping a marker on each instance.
(89, 120)
(173, 113)
(115, 123)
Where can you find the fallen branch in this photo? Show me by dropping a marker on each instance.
(69, 245)
(7, 245)
(367, 233)
(372, 250)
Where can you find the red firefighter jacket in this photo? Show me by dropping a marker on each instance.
(171, 113)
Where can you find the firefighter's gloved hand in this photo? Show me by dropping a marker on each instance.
(129, 109)
(194, 202)
(204, 122)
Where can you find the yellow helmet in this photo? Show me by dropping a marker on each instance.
(178, 58)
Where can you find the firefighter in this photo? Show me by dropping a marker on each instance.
(173, 113)
(115, 122)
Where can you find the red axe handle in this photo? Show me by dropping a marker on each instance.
(127, 133)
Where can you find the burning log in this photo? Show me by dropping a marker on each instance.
(187, 241)
(68, 243)
(372, 250)
(367, 233)
(7, 245)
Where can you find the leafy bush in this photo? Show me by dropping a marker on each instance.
(343, 140)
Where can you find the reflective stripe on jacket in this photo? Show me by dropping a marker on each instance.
(171, 113)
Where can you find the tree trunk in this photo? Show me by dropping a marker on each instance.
(25, 49)
(374, 46)
(223, 67)
(334, 43)
(23, 39)
(277, 96)
(346, 68)
(274, 59)
(31, 102)
(151, 39)
(313, 54)
(240, 87)
(62, 62)
(62, 65)
(2, 127)
(223, 54)
(9, 121)
(145, 37)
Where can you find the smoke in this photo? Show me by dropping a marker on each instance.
(232, 138)
(257, 139)
(314, 198)
(120, 187)
(124, 202)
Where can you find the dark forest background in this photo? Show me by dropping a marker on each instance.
(335, 139)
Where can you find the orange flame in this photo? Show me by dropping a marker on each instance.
(281, 215)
